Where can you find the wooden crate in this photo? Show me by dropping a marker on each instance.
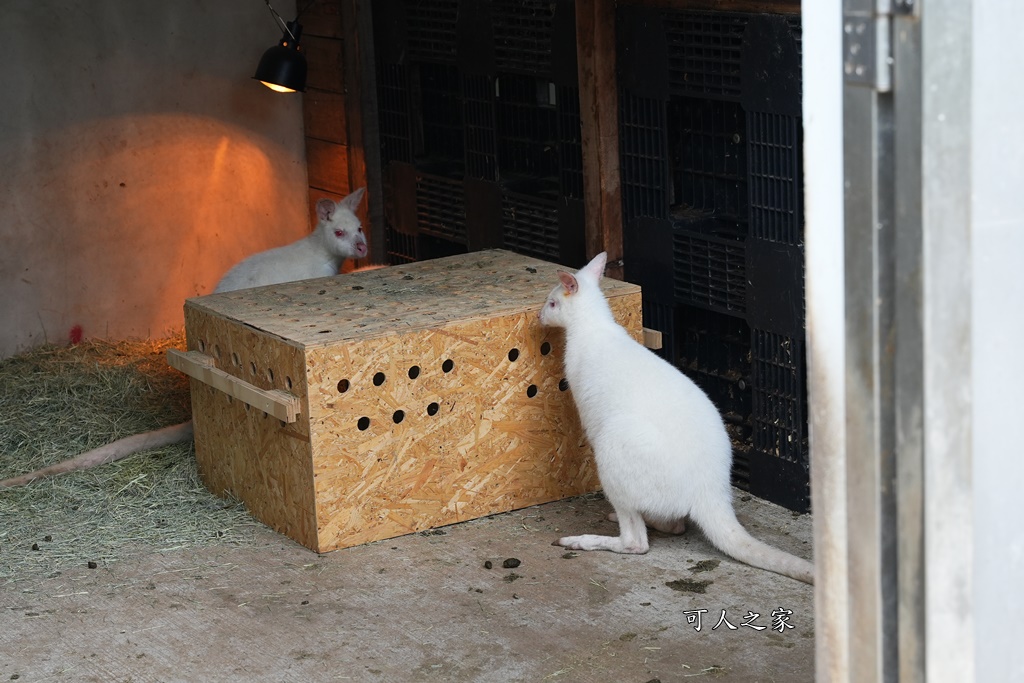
(366, 406)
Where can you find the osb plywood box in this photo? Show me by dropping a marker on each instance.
(365, 406)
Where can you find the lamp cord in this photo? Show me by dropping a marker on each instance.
(281, 21)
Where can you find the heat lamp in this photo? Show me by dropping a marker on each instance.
(283, 66)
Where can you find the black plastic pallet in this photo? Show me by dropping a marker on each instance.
(480, 127)
(400, 248)
(432, 30)
(707, 162)
(530, 226)
(527, 131)
(479, 119)
(710, 272)
(570, 142)
(643, 157)
(776, 200)
(393, 113)
(710, 162)
(445, 217)
(523, 35)
(440, 208)
(440, 131)
(704, 53)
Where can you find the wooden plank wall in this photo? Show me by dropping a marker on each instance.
(324, 100)
(337, 38)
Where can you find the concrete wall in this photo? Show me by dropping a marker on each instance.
(138, 161)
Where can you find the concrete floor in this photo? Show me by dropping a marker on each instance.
(423, 608)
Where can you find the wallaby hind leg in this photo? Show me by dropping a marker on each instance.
(632, 538)
(675, 527)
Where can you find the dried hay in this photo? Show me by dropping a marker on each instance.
(56, 402)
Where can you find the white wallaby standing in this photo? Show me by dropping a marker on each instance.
(661, 448)
(338, 236)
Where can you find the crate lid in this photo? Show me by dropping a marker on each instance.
(405, 298)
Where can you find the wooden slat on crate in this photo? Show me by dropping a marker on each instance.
(652, 339)
(275, 402)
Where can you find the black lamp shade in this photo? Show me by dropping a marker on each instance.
(283, 67)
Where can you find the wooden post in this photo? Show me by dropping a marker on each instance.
(361, 113)
(599, 113)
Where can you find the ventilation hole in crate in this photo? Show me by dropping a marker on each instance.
(398, 416)
(216, 351)
(247, 407)
(545, 349)
(270, 374)
(343, 386)
(378, 379)
(513, 355)
(563, 385)
(288, 382)
(432, 409)
(235, 361)
(448, 365)
(252, 368)
(363, 424)
(202, 346)
(531, 391)
(414, 372)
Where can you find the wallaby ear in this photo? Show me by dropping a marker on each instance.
(569, 282)
(325, 209)
(351, 202)
(595, 268)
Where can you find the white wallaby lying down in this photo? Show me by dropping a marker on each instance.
(338, 236)
(660, 444)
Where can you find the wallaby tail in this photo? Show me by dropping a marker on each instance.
(109, 453)
(720, 525)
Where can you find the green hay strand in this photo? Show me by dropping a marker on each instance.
(56, 402)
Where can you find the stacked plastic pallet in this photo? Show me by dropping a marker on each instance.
(710, 136)
(478, 107)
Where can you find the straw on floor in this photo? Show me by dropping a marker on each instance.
(56, 402)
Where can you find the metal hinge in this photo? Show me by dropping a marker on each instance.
(867, 46)
(867, 55)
